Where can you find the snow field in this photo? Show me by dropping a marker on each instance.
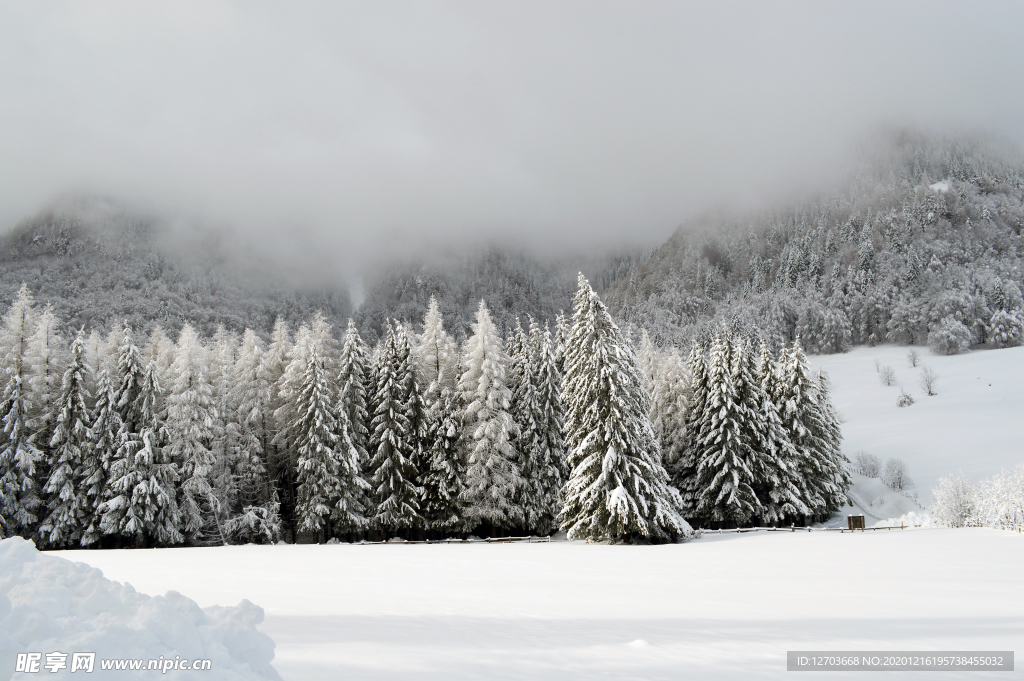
(719, 607)
(974, 424)
(49, 604)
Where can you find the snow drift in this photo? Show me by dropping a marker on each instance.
(50, 604)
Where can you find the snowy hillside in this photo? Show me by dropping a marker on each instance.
(719, 607)
(972, 425)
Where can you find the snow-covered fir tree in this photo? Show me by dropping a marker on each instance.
(492, 476)
(44, 362)
(618, 489)
(547, 448)
(778, 486)
(65, 493)
(670, 391)
(683, 469)
(191, 430)
(806, 424)
(412, 400)
(19, 491)
(725, 476)
(106, 424)
(436, 355)
(396, 491)
(254, 517)
(327, 469)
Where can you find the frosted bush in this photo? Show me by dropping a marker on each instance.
(904, 400)
(1005, 329)
(887, 375)
(955, 501)
(950, 337)
(895, 475)
(869, 464)
(1002, 499)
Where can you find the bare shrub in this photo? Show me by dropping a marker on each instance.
(868, 464)
(888, 376)
(928, 380)
(913, 357)
(895, 475)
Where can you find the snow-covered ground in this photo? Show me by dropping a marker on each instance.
(974, 424)
(53, 608)
(720, 607)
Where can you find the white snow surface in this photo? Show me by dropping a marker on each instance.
(974, 424)
(940, 187)
(49, 604)
(718, 607)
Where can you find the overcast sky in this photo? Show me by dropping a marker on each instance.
(375, 126)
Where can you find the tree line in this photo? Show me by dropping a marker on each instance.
(120, 441)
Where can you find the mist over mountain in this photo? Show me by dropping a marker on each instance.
(99, 264)
(922, 244)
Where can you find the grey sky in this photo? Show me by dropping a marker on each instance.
(365, 128)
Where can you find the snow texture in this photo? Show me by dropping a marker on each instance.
(718, 607)
(50, 604)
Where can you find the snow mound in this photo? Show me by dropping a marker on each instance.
(909, 519)
(49, 604)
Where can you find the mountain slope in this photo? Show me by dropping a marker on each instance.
(928, 230)
(99, 264)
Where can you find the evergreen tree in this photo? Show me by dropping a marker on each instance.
(254, 517)
(65, 488)
(106, 424)
(286, 417)
(725, 475)
(19, 494)
(444, 476)
(833, 479)
(436, 355)
(328, 464)
(684, 468)
(808, 430)
(547, 449)
(191, 430)
(395, 488)
(492, 476)
(618, 489)
(669, 407)
(778, 485)
(45, 367)
(139, 502)
(412, 400)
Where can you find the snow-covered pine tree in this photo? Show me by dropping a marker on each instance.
(327, 468)
(492, 476)
(444, 477)
(45, 367)
(19, 493)
(547, 452)
(412, 399)
(285, 417)
(141, 506)
(778, 485)
(18, 325)
(436, 355)
(649, 365)
(670, 391)
(255, 515)
(395, 486)
(833, 480)
(524, 410)
(561, 334)
(326, 344)
(803, 419)
(191, 430)
(100, 455)
(354, 377)
(160, 349)
(683, 470)
(618, 490)
(65, 488)
(725, 476)
(227, 457)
